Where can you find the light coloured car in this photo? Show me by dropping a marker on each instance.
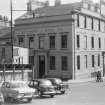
(1, 99)
(16, 91)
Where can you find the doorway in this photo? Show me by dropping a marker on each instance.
(41, 66)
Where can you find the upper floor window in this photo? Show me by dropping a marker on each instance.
(31, 40)
(52, 41)
(64, 63)
(3, 52)
(21, 41)
(78, 41)
(92, 24)
(99, 42)
(99, 25)
(93, 63)
(98, 60)
(85, 22)
(78, 23)
(85, 41)
(64, 40)
(92, 42)
(85, 61)
(52, 63)
(41, 42)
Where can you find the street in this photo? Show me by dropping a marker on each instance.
(90, 93)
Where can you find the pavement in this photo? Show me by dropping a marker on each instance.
(83, 80)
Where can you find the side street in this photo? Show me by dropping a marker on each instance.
(80, 93)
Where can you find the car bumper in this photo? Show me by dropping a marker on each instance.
(49, 93)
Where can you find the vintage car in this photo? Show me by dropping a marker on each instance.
(16, 91)
(43, 86)
(60, 87)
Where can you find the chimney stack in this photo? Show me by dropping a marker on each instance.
(57, 2)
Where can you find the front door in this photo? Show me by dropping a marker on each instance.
(41, 66)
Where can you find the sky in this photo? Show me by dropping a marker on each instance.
(22, 5)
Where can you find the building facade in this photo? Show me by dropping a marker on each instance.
(65, 40)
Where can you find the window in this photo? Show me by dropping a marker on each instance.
(52, 41)
(21, 40)
(98, 60)
(52, 63)
(31, 40)
(78, 24)
(85, 41)
(3, 52)
(63, 41)
(85, 22)
(64, 63)
(93, 61)
(41, 42)
(78, 41)
(85, 61)
(99, 25)
(92, 42)
(99, 41)
(78, 62)
(92, 25)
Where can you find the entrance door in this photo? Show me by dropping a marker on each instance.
(41, 66)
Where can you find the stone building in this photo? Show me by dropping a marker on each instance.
(65, 40)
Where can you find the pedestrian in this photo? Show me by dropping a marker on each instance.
(99, 78)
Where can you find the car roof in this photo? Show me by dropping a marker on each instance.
(16, 81)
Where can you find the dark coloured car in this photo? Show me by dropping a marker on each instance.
(60, 87)
(43, 86)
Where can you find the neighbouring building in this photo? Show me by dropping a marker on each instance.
(64, 40)
(18, 67)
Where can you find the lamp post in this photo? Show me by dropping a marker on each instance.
(103, 53)
(11, 25)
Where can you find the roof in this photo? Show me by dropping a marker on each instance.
(52, 10)
(4, 32)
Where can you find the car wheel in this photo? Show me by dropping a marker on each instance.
(52, 96)
(62, 92)
(29, 99)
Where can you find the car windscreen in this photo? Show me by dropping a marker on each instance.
(45, 82)
(18, 85)
(56, 81)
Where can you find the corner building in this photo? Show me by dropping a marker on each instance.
(65, 40)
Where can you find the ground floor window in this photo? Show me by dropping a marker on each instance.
(78, 62)
(64, 63)
(52, 63)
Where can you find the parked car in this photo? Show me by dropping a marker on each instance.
(1, 99)
(16, 91)
(43, 86)
(60, 87)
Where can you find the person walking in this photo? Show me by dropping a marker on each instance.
(99, 78)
